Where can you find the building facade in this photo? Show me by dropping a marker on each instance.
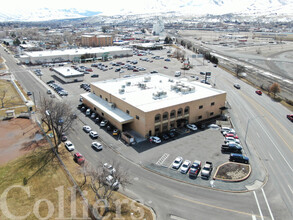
(93, 40)
(153, 103)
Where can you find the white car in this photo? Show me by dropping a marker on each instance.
(69, 146)
(231, 139)
(185, 166)
(225, 129)
(109, 168)
(93, 115)
(177, 162)
(104, 123)
(94, 134)
(97, 146)
(177, 73)
(191, 127)
(155, 139)
(86, 128)
(214, 126)
(110, 181)
(231, 131)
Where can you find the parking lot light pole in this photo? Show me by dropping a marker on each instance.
(249, 120)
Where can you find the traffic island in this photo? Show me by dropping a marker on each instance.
(232, 172)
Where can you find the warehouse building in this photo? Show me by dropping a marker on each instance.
(73, 55)
(153, 103)
(68, 74)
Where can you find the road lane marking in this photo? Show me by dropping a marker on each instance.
(290, 189)
(269, 120)
(260, 212)
(263, 192)
(213, 206)
(162, 159)
(271, 156)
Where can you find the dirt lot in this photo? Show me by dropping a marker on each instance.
(16, 137)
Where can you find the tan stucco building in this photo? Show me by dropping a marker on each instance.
(153, 103)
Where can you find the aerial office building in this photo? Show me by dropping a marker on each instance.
(153, 103)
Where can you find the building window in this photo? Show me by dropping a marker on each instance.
(172, 114)
(127, 111)
(200, 117)
(95, 109)
(107, 99)
(179, 112)
(101, 96)
(201, 106)
(102, 113)
(211, 113)
(172, 124)
(137, 117)
(157, 118)
(157, 129)
(213, 103)
(165, 127)
(186, 110)
(165, 116)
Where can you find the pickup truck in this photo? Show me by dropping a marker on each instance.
(207, 170)
(233, 148)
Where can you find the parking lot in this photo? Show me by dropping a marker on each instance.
(203, 145)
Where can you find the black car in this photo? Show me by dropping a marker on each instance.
(165, 137)
(171, 134)
(238, 158)
(51, 81)
(95, 75)
(29, 93)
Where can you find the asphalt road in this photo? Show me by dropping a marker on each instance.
(268, 136)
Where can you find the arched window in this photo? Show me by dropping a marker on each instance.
(165, 116)
(179, 112)
(173, 114)
(186, 110)
(158, 118)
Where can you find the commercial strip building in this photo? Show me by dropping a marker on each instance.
(73, 55)
(68, 74)
(153, 103)
(93, 40)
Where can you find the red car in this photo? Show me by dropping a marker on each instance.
(258, 92)
(78, 158)
(290, 117)
(165, 67)
(231, 135)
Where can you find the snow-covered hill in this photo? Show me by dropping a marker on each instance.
(185, 7)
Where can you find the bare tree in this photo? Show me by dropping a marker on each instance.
(239, 69)
(275, 88)
(57, 115)
(104, 182)
(4, 98)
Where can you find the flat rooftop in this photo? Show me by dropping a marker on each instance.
(150, 92)
(68, 72)
(79, 51)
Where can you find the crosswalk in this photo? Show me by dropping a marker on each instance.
(162, 159)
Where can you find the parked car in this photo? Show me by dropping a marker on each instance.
(233, 135)
(231, 131)
(177, 73)
(110, 181)
(88, 112)
(214, 126)
(86, 128)
(93, 115)
(207, 170)
(231, 148)
(78, 158)
(237, 86)
(115, 132)
(185, 166)
(191, 127)
(225, 129)
(154, 139)
(177, 162)
(238, 158)
(93, 134)
(104, 123)
(165, 137)
(290, 117)
(231, 139)
(69, 146)
(63, 138)
(95, 75)
(109, 168)
(29, 93)
(258, 92)
(195, 168)
(97, 146)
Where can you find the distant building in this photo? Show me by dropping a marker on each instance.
(93, 40)
(158, 27)
(153, 103)
(75, 55)
(275, 36)
(68, 74)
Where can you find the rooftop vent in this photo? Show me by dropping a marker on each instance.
(121, 91)
(159, 95)
(147, 78)
(128, 83)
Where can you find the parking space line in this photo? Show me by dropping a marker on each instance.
(263, 192)
(271, 156)
(290, 189)
(162, 159)
(260, 212)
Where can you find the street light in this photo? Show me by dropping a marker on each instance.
(250, 119)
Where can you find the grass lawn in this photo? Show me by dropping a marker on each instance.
(44, 175)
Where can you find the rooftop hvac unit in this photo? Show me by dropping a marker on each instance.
(123, 86)
(170, 80)
(128, 83)
(112, 105)
(173, 87)
(185, 90)
(143, 85)
(121, 91)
